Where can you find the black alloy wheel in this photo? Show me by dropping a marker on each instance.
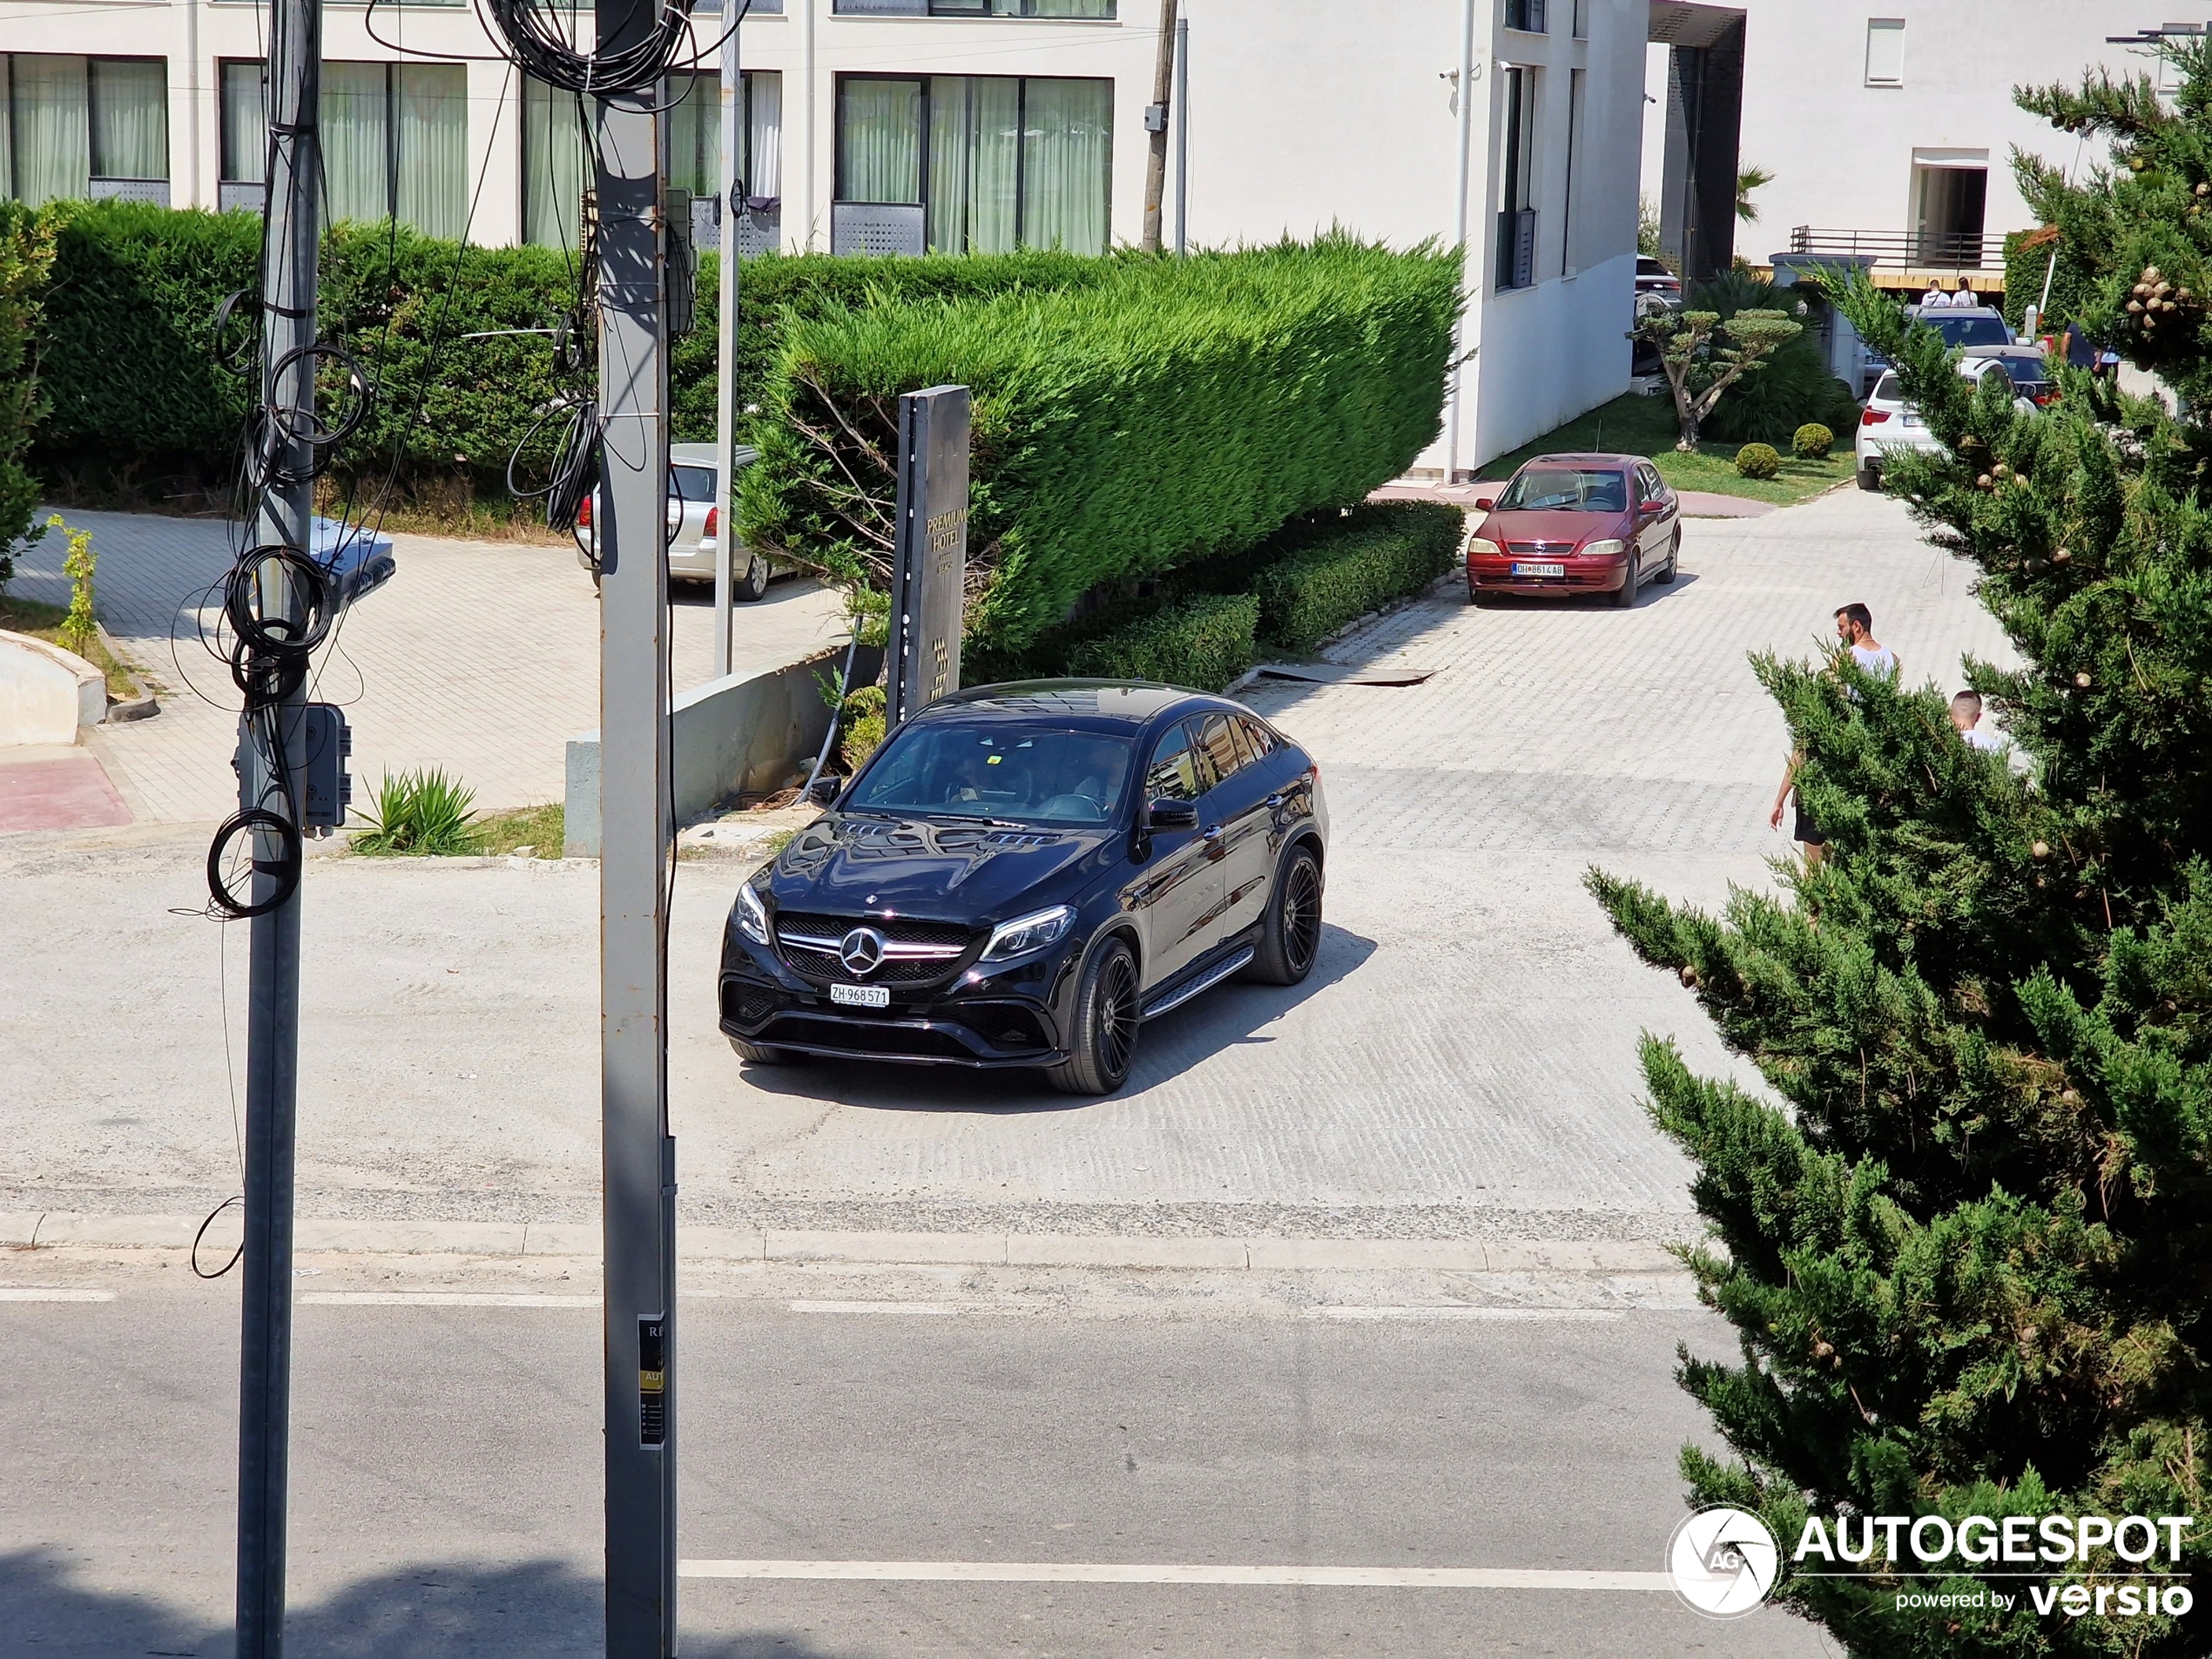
(761, 1054)
(1674, 559)
(751, 585)
(1101, 1040)
(1290, 937)
(1630, 583)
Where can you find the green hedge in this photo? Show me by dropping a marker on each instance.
(1204, 642)
(1175, 409)
(1340, 571)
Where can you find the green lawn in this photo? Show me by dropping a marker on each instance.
(1645, 426)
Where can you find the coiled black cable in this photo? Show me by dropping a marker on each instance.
(538, 40)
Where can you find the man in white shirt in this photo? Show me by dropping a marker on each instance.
(1854, 627)
(1965, 714)
(1934, 296)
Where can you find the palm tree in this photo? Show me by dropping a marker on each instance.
(1747, 181)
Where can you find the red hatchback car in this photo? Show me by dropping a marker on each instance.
(1576, 524)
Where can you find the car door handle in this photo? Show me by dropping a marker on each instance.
(1277, 800)
(1212, 832)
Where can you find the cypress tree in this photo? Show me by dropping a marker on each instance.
(1966, 1252)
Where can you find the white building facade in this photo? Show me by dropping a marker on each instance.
(946, 125)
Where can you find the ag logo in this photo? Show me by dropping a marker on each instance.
(1723, 1562)
(861, 951)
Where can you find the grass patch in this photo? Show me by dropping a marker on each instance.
(543, 829)
(1634, 424)
(43, 622)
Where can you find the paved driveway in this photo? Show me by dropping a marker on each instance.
(481, 658)
(1460, 1064)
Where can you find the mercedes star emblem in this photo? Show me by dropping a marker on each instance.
(861, 951)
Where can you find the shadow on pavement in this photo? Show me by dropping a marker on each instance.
(539, 1608)
(1230, 1015)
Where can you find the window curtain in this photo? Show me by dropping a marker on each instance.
(1066, 141)
(880, 143)
(7, 139)
(553, 161)
(356, 142)
(130, 110)
(975, 138)
(949, 159)
(52, 127)
(695, 132)
(1065, 8)
(764, 155)
(432, 183)
(246, 124)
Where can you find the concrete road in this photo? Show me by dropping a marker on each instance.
(481, 658)
(1460, 1064)
(446, 1473)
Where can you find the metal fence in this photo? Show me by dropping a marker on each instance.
(1920, 250)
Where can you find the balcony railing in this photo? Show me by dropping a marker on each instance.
(1918, 250)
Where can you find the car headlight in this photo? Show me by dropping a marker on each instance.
(1479, 549)
(1024, 933)
(1601, 549)
(751, 915)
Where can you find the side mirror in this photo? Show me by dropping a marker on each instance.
(824, 790)
(1654, 505)
(1173, 815)
(1484, 503)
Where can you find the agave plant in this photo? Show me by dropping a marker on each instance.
(424, 813)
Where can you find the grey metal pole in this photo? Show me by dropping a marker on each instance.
(1182, 132)
(636, 815)
(273, 994)
(726, 361)
(1460, 238)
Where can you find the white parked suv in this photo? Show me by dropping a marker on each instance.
(1889, 422)
(694, 525)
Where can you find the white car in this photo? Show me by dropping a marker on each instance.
(1652, 277)
(694, 525)
(1889, 422)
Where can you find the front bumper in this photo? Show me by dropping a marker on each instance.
(1603, 574)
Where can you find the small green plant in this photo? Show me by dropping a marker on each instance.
(423, 814)
(80, 625)
(1757, 460)
(867, 713)
(1811, 442)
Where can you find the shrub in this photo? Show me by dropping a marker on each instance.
(1757, 460)
(81, 623)
(1339, 568)
(26, 251)
(866, 716)
(1177, 409)
(1811, 442)
(1204, 642)
(425, 813)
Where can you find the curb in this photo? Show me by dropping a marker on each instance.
(61, 1229)
(141, 707)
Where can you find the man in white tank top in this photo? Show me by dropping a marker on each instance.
(1854, 627)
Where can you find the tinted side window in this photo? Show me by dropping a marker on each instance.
(1174, 773)
(1217, 739)
(692, 484)
(1258, 737)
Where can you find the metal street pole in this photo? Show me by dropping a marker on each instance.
(726, 359)
(639, 1158)
(1156, 126)
(1182, 132)
(1460, 237)
(273, 994)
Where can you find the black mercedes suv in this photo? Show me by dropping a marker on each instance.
(1023, 874)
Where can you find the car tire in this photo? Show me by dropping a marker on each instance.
(752, 585)
(1674, 559)
(1632, 579)
(761, 1054)
(1870, 478)
(1102, 1038)
(1290, 933)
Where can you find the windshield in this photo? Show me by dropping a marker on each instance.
(1968, 331)
(692, 484)
(1886, 390)
(1565, 489)
(1029, 774)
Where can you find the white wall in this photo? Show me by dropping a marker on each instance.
(1841, 151)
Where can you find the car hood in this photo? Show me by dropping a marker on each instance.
(935, 869)
(1553, 527)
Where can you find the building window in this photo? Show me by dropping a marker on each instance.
(1886, 51)
(1528, 16)
(1082, 9)
(1574, 144)
(1516, 180)
(83, 126)
(395, 140)
(996, 162)
(1581, 19)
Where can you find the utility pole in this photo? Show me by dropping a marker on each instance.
(1156, 126)
(725, 359)
(283, 519)
(1460, 237)
(639, 1158)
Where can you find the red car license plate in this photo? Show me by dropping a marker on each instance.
(1521, 569)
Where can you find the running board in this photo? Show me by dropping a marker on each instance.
(1205, 983)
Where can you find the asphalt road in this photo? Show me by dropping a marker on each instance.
(446, 1476)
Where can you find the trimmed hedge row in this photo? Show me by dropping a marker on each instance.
(1204, 642)
(1373, 556)
(1177, 409)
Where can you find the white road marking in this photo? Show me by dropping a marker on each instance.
(1442, 1578)
(1508, 1315)
(445, 1300)
(32, 1294)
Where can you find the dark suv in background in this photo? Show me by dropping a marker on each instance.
(1023, 874)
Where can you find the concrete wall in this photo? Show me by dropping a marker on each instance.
(46, 693)
(743, 733)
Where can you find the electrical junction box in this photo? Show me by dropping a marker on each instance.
(326, 745)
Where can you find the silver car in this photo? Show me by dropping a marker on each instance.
(694, 526)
